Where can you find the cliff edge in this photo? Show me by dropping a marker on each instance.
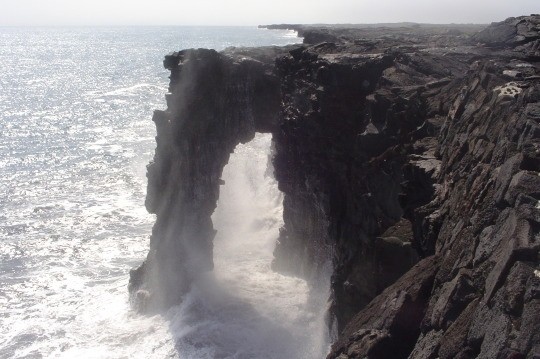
(408, 157)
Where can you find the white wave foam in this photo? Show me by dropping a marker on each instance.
(245, 310)
(130, 90)
(72, 171)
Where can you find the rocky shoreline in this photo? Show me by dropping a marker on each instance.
(408, 157)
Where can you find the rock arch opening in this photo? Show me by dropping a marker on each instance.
(249, 211)
(383, 156)
(285, 315)
(214, 103)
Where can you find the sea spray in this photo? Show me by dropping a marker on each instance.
(76, 129)
(244, 309)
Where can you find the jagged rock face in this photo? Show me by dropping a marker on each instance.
(394, 149)
(482, 223)
(487, 210)
(339, 163)
(215, 102)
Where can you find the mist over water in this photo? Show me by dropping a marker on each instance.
(76, 134)
(244, 309)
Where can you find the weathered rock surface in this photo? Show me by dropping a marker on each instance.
(394, 146)
(215, 101)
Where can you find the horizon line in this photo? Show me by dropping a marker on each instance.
(263, 26)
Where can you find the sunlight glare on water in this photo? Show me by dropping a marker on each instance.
(76, 134)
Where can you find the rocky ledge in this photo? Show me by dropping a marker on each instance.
(409, 159)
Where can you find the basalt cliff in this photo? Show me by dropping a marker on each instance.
(408, 157)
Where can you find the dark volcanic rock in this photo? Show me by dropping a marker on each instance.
(216, 101)
(511, 32)
(392, 145)
(389, 326)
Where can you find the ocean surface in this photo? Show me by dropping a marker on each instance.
(75, 136)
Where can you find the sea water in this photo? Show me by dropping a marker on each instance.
(76, 135)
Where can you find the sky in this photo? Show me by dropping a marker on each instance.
(255, 12)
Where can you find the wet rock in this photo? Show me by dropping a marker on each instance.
(215, 101)
(392, 145)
